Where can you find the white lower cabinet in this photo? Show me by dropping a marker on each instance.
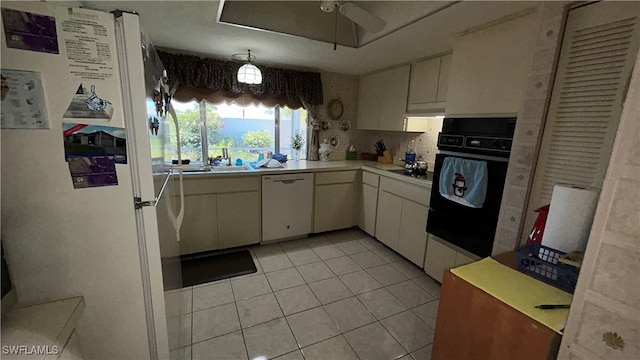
(334, 200)
(441, 257)
(199, 230)
(412, 241)
(219, 213)
(388, 219)
(369, 209)
(238, 219)
(402, 218)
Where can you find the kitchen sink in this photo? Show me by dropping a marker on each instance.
(221, 168)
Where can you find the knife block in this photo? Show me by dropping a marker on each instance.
(386, 158)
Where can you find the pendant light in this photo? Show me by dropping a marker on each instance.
(248, 73)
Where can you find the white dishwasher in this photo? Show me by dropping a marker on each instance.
(287, 204)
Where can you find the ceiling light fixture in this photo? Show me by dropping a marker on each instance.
(248, 73)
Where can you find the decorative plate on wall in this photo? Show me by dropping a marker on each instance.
(334, 141)
(345, 125)
(335, 109)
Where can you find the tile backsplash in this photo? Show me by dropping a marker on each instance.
(396, 142)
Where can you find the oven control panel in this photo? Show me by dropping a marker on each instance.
(482, 144)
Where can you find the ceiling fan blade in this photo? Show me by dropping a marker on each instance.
(362, 17)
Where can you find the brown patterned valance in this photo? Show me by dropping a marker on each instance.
(195, 75)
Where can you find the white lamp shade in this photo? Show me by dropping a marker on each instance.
(249, 74)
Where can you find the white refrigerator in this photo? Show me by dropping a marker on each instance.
(70, 223)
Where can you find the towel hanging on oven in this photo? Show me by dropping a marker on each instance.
(464, 181)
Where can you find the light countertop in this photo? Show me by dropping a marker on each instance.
(293, 166)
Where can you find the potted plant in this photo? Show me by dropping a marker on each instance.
(297, 142)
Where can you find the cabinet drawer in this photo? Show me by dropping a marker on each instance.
(226, 184)
(335, 177)
(370, 179)
(414, 193)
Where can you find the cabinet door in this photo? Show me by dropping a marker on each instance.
(439, 259)
(333, 207)
(424, 81)
(199, 231)
(490, 66)
(393, 98)
(369, 207)
(443, 78)
(388, 219)
(238, 219)
(368, 102)
(412, 241)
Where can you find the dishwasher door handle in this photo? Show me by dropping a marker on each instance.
(287, 181)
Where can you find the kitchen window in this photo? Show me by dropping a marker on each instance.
(246, 131)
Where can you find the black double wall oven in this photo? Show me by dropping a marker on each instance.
(484, 139)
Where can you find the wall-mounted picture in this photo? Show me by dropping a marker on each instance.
(345, 125)
(94, 140)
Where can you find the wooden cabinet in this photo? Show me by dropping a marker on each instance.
(382, 99)
(219, 212)
(334, 200)
(369, 202)
(428, 85)
(402, 217)
(442, 256)
(472, 324)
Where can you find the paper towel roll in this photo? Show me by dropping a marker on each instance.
(570, 218)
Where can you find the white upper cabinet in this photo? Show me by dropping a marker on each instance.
(443, 79)
(382, 99)
(490, 67)
(428, 85)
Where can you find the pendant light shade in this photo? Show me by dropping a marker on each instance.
(249, 73)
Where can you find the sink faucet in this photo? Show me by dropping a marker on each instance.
(225, 155)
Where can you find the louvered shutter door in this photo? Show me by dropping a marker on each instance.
(596, 59)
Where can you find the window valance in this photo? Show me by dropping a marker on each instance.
(195, 75)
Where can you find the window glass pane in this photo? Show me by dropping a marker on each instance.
(245, 131)
(159, 138)
(190, 138)
(290, 122)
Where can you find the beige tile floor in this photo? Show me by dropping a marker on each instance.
(339, 295)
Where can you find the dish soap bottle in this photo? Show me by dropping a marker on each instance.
(409, 158)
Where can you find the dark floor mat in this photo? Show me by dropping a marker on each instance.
(209, 268)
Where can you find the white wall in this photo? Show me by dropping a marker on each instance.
(62, 242)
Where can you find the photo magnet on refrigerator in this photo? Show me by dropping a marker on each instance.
(87, 104)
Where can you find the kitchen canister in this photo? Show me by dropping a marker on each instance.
(325, 151)
(570, 217)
